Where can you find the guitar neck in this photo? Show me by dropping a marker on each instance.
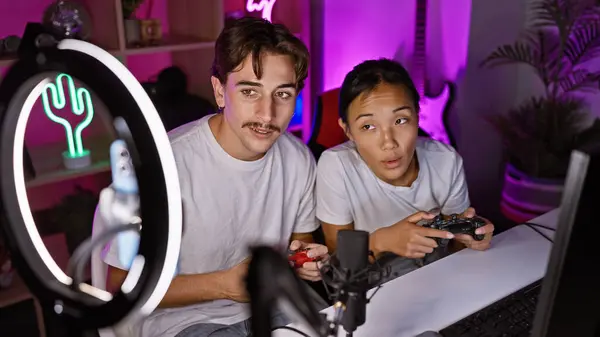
(419, 54)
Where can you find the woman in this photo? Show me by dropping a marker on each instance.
(385, 180)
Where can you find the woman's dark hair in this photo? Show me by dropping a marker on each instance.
(366, 76)
(245, 36)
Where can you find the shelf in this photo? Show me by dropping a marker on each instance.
(18, 291)
(49, 168)
(170, 44)
(7, 61)
(65, 174)
(15, 293)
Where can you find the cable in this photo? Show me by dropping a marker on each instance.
(535, 227)
(540, 226)
(82, 254)
(380, 268)
(339, 281)
(291, 329)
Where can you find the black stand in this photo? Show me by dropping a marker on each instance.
(75, 330)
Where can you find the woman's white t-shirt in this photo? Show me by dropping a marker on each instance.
(348, 191)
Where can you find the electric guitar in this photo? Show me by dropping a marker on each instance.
(432, 116)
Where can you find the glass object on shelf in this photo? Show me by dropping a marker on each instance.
(150, 32)
(68, 18)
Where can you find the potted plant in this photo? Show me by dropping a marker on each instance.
(540, 133)
(131, 24)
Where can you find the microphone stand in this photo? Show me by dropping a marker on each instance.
(351, 277)
(74, 331)
(270, 278)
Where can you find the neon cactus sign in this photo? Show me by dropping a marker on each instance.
(81, 102)
(266, 6)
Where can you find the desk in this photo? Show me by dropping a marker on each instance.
(437, 295)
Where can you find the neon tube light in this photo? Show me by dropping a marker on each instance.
(266, 6)
(81, 101)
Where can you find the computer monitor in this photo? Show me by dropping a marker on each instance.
(569, 302)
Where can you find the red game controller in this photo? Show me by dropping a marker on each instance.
(299, 258)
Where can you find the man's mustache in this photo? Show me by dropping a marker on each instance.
(257, 125)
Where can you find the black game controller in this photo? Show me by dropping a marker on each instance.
(456, 225)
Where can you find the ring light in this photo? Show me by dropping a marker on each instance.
(85, 306)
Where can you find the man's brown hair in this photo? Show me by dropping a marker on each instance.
(254, 36)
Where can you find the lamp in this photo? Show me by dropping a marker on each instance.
(81, 305)
(76, 155)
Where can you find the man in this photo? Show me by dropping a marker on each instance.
(385, 179)
(244, 180)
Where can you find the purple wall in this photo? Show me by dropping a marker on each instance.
(460, 34)
(355, 31)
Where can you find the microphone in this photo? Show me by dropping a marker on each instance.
(348, 272)
(270, 278)
(353, 256)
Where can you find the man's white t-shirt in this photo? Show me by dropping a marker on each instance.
(229, 205)
(349, 192)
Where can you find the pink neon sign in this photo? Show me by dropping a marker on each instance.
(266, 6)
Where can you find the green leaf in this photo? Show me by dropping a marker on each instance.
(538, 49)
(546, 13)
(547, 46)
(584, 43)
(589, 13)
(540, 134)
(579, 80)
(563, 15)
(519, 52)
(129, 7)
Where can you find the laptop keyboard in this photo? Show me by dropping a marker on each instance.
(511, 316)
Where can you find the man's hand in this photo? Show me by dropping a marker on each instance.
(468, 240)
(234, 283)
(310, 270)
(406, 238)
